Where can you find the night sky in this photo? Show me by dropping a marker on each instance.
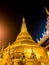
(11, 14)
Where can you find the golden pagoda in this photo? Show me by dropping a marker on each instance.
(24, 51)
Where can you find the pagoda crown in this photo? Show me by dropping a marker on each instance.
(47, 11)
(23, 28)
(24, 34)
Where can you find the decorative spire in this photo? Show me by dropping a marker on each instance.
(23, 28)
(24, 34)
(47, 11)
(47, 26)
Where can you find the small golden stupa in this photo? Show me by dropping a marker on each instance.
(23, 51)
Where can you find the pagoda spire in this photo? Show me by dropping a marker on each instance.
(23, 28)
(47, 11)
(47, 26)
(24, 34)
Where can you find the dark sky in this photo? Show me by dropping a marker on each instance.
(34, 13)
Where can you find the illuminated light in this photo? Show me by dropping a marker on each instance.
(47, 11)
(4, 34)
(27, 53)
(47, 32)
(48, 53)
(38, 56)
(23, 29)
(43, 35)
(37, 40)
(28, 50)
(40, 38)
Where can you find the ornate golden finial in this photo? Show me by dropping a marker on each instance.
(23, 19)
(47, 11)
(23, 28)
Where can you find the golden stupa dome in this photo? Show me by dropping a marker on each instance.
(24, 34)
(23, 48)
(25, 43)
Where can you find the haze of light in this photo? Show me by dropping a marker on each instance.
(4, 32)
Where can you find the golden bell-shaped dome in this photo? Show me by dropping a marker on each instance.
(24, 46)
(24, 34)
